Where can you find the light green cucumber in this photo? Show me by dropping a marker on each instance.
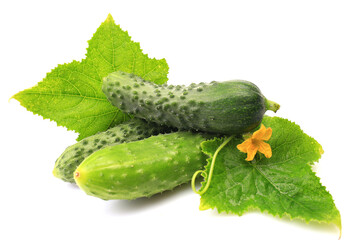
(141, 168)
(229, 107)
(132, 130)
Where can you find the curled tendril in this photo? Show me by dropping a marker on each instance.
(227, 140)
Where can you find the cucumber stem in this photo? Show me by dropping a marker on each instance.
(273, 106)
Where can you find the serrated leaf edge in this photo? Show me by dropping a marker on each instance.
(205, 206)
(110, 20)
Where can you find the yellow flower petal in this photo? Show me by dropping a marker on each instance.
(259, 133)
(255, 143)
(251, 151)
(267, 134)
(265, 149)
(263, 133)
(244, 145)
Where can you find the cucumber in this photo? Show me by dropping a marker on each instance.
(132, 130)
(230, 107)
(141, 168)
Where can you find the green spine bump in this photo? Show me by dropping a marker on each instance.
(132, 130)
(230, 107)
(141, 168)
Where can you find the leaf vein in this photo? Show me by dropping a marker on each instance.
(66, 94)
(279, 190)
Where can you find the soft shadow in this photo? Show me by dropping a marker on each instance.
(72, 185)
(140, 204)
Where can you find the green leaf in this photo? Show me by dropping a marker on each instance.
(281, 185)
(71, 93)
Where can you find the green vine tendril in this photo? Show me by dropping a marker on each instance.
(227, 140)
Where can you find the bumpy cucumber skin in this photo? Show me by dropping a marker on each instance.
(141, 168)
(228, 107)
(132, 130)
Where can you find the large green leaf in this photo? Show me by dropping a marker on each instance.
(71, 93)
(281, 185)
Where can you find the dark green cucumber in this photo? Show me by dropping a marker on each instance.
(141, 168)
(132, 130)
(230, 107)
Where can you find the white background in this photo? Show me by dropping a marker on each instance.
(304, 55)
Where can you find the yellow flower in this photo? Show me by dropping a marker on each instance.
(256, 143)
